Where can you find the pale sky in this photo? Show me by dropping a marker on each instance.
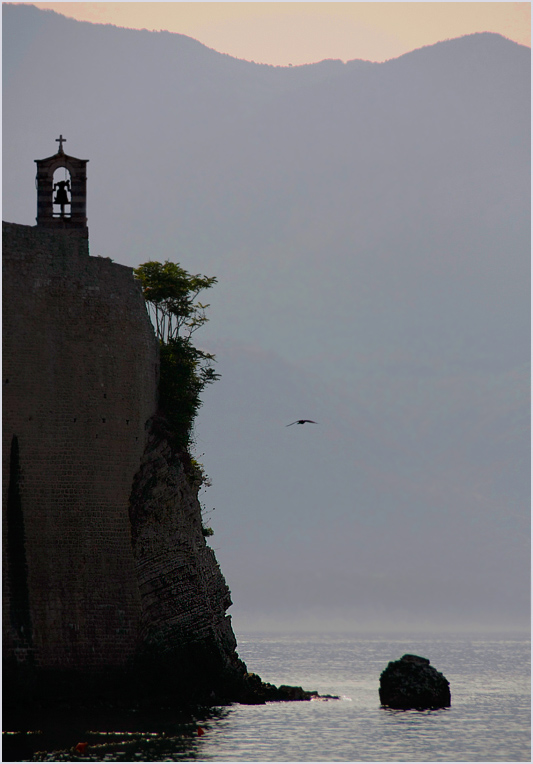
(369, 229)
(305, 32)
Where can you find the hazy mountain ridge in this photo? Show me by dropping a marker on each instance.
(369, 226)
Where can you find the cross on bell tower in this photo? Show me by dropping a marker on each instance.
(61, 142)
(62, 203)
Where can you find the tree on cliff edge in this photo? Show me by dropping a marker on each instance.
(171, 294)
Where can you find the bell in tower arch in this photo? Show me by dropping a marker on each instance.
(70, 194)
(61, 190)
(61, 195)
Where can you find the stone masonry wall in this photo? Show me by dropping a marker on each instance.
(80, 371)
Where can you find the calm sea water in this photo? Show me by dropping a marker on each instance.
(489, 719)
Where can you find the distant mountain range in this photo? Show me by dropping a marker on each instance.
(369, 225)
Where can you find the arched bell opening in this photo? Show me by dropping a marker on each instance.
(62, 191)
(62, 194)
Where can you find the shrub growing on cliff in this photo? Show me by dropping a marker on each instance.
(171, 295)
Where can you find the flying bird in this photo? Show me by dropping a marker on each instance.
(302, 421)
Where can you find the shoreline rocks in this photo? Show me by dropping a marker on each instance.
(256, 692)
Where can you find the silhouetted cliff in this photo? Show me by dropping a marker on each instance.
(108, 581)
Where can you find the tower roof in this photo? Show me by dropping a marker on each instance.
(60, 155)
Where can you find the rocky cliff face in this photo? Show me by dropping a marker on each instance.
(187, 648)
(185, 635)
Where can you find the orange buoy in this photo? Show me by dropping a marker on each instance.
(200, 731)
(81, 747)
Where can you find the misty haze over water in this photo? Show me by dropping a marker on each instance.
(369, 225)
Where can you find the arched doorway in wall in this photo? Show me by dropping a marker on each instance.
(62, 193)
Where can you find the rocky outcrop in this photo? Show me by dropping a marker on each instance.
(187, 648)
(412, 683)
(186, 643)
(254, 691)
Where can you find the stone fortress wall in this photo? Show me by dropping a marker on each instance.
(80, 372)
(107, 578)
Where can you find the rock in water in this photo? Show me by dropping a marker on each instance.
(412, 683)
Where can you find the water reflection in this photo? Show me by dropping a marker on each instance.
(112, 736)
(408, 714)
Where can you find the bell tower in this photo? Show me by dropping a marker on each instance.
(62, 191)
